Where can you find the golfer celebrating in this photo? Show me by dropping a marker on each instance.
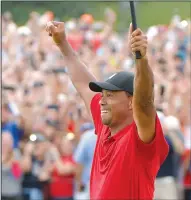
(130, 146)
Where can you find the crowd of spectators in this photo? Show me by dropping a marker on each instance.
(48, 137)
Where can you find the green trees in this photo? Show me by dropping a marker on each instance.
(148, 13)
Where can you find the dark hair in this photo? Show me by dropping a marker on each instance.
(129, 95)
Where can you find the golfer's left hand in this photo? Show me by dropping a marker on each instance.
(138, 41)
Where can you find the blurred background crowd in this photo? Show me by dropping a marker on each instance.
(48, 137)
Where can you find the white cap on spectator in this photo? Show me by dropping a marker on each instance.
(23, 30)
(172, 123)
(161, 117)
(183, 24)
(69, 136)
(152, 32)
(128, 64)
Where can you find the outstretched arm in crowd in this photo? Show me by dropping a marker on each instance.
(108, 29)
(77, 70)
(143, 101)
(26, 163)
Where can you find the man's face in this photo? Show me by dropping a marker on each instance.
(116, 107)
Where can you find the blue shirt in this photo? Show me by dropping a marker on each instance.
(84, 153)
(14, 130)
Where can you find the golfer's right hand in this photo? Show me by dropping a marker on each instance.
(57, 31)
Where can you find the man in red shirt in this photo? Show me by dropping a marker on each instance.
(130, 146)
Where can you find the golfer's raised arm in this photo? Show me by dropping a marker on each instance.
(77, 70)
(143, 101)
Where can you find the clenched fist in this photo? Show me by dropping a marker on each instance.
(57, 31)
(138, 41)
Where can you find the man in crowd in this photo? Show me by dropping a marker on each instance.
(167, 181)
(84, 156)
(130, 147)
(32, 79)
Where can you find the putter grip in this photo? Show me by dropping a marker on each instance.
(134, 23)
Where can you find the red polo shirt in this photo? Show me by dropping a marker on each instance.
(123, 166)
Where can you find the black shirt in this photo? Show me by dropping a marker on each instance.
(31, 178)
(171, 164)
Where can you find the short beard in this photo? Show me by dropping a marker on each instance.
(106, 122)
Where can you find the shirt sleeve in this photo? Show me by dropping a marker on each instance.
(157, 149)
(170, 144)
(96, 113)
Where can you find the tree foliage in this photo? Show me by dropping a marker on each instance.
(148, 13)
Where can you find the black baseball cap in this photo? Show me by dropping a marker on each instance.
(121, 81)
